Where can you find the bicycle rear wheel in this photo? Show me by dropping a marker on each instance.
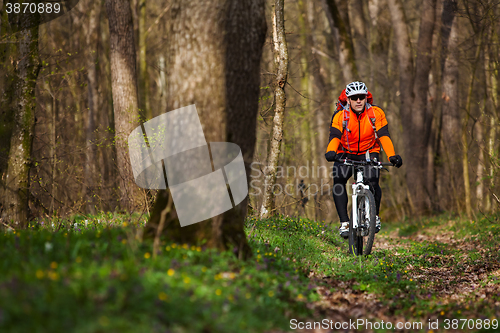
(361, 239)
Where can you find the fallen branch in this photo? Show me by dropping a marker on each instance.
(8, 226)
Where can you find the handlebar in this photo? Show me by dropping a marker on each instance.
(347, 161)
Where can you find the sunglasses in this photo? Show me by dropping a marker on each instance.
(356, 97)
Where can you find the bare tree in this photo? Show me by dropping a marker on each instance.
(124, 86)
(416, 117)
(17, 178)
(92, 41)
(451, 146)
(342, 36)
(281, 62)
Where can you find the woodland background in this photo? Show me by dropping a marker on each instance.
(431, 65)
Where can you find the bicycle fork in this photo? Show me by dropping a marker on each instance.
(356, 188)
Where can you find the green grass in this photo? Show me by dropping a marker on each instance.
(401, 278)
(102, 279)
(97, 276)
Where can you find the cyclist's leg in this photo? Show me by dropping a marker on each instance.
(341, 174)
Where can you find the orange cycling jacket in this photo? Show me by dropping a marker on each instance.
(359, 135)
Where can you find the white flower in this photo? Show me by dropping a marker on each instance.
(48, 246)
(76, 225)
(86, 222)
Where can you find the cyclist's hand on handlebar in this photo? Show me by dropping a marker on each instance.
(331, 156)
(396, 160)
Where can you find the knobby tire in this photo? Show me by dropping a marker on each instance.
(359, 244)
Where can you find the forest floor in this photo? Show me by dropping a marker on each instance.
(95, 274)
(453, 269)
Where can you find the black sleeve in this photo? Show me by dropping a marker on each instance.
(384, 131)
(334, 132)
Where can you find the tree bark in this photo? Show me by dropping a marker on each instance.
(89, 169)
(451, 145)
(360, 43)
(17, 179)
(491, 70)
(415, 116)
(281, 62)
(143, 70)
(421, 113)
(214, 58)
(124, 87)
(480, 164)
(342, 38)
(466, 132)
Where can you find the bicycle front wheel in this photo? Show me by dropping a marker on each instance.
(361, 239)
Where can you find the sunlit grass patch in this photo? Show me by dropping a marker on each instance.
(103, 277)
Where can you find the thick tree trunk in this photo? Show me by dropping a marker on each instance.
(466, 131)
(451, 145)
(320, 113)
(360, 43)
(415, 116)
(17, 179)
(214, 58)
(89, 169)
(7, 110)
(421, 113)
(342, 37)
(403, 47)
(124, 87)
(281, 62)
(447, 19)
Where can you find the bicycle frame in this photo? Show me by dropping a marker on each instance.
(356, 187)
(359, 184)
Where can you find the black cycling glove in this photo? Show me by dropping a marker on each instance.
(396, 160)
(330, 156)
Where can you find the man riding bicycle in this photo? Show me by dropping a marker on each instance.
(357, 127)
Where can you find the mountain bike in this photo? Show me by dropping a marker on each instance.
(362, 222)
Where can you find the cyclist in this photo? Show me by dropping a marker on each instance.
(357, 127)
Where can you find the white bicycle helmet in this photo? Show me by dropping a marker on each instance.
(356, 88)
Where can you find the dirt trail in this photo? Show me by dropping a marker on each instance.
(442, 280)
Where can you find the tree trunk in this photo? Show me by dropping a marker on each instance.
(415, 116)
(342, 38)
(7, 109)
(451, 145)
(466, 132)
(360, 43)
(143, 70)
(214, 58)
(17, 176)
(281, 62)
(480, 164)
(162, 83)
(89, 168)
(492, 71)
(124, 87)
(491, 153)
(421, 114)
(373, 38)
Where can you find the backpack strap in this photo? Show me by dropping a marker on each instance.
(373, 119)
(345, 126)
